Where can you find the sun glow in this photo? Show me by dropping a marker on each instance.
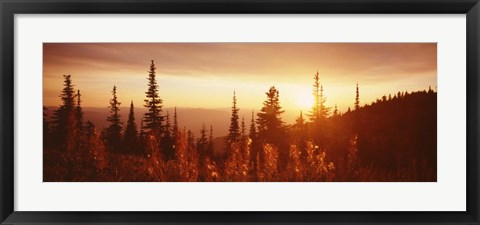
(305, 99)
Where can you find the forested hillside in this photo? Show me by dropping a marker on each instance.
(391, 139)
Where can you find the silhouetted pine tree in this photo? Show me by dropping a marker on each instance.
(243, 128)
(167, 141)
(269, 119)
(234, 129)
(131, 132)
(80, 143)
(175, 123)
(324, 110)
(253, 131)
(271, 128)
(299, 131)
(112, 135)
(46, 129)
(64, 122)
(300, 134)
(318, 115)
(190, 140)
(152, 119)
(210, 142)
(202, 145)
(79, 113)
(319, 111)
(89, 129)
(357, 99)
(255, 147)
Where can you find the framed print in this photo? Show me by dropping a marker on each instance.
(242, 112)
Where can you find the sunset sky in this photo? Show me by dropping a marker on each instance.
(204, 75)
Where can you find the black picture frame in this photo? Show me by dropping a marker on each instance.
(9, 8)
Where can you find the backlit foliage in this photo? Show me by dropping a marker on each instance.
(393, 139)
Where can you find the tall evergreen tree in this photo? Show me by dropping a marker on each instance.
(300, 134)
(318, 115)
(210, 142)
(112, 135)
(255, 148)
(202, 144)
(80, 143)
(167, 141)
(319, 111)
(317, 101)
(131, 132)
(269, 119)
(64, 122)
(89, 129)
(152, 119)
(271, 128)
(168, 125)
(46, 129)
(324, 110)
(234, 129)
(357, 99)
(253, 131)
(190, 139)
(244, 134)
(175, 123)
(79, 113)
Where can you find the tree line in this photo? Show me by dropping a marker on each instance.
(326, 146)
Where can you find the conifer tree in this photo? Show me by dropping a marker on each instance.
(89, 129)
(175, 123)
(315, 113)
(167, 139)
(271, 129)
(324, 110)
(319, 111)
(131, 132)
(210, 142)
(357, 99)
(202, 144)
(79, 113)
(234, 130)
(64, 122)
(80, 142)
(335, 111)
(269, 119)
(253, 130)
(255, 148)
(243, 128)
(300, 122)
(112, 135)
(300, 133)
(46, 129)
(152, 119)
(190, 139)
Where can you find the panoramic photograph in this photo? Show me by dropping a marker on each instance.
(239, 112)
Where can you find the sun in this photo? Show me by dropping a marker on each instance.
(305, 99)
